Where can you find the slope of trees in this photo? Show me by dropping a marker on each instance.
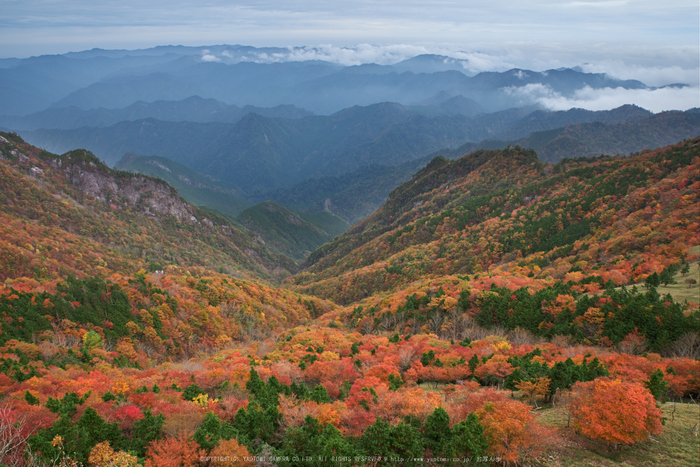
(505, 212)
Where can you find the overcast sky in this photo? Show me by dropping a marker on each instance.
(33, 27)
(655, 42)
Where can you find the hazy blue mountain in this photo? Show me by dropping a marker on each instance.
(260, 153)
(147, 136)
(230, 53)
(191, 109)
(542, 120)
(197, 109)
(241, 75)
(564, 81)
(245, 83)
(430, 63)
(33, 84)
(492, 91)
(442, 104)
(595, 138)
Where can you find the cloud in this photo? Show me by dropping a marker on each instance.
(655, 100)
(210, 58)
(652, 75)
(656, 66)
(357, 55)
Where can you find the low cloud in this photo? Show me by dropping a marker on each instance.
(658, 66)
(655, 100)
(648, 74)
(347, 56)
(473, 61)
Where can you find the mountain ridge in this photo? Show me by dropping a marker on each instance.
(192, 109)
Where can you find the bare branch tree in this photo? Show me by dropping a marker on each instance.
(13, 436)
(687, 346)
(435, 323)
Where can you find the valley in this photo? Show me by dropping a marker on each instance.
(253, 263)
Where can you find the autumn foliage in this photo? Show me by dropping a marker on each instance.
(614, 411)
(477, 296)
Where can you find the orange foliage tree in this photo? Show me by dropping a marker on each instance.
(614, 411)
(533, 390)
(182, 451)
(511, 429)
(230, 453)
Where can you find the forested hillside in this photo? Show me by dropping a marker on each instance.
(498, 209)
(115, 220)
(293, 234)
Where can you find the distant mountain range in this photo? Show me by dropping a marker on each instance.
(239, 75)
(192, 109)
(260, 153)
(596, 137)
(348, 162)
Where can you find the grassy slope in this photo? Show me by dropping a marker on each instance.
(680, 291)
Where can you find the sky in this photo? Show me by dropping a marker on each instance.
(655, 42)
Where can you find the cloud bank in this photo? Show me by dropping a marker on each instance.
(656, 66)
(656, 100)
